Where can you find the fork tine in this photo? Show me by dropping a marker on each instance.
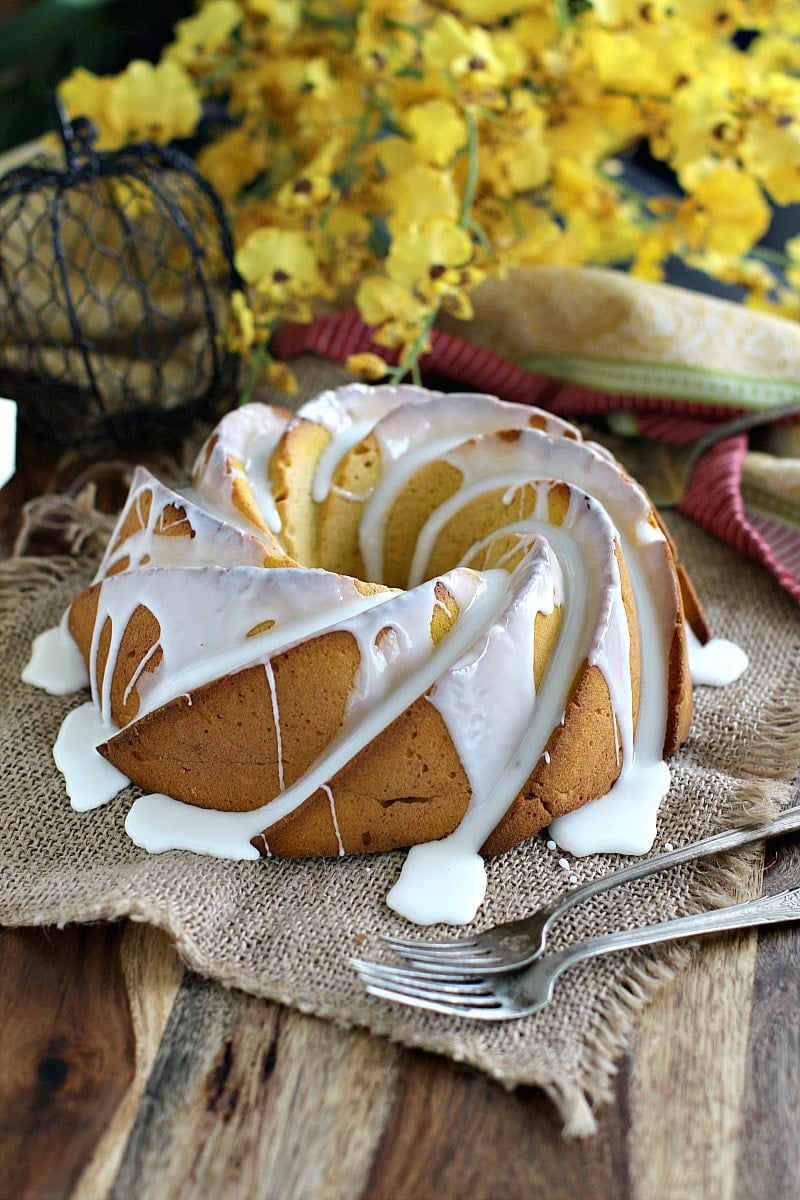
(404, 945)
(384, 973)
(449, 1010)
(455, 955)
(451, 965)
(423, 954)
(434, 995)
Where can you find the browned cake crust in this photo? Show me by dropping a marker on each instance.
(220, 746)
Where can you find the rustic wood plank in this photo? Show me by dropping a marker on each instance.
(66, 1054)
(254, 1102)
(454, 1134)
(688, 1078)
(769, 1154)
(152, 973)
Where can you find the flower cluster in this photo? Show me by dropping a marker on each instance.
(397, 152)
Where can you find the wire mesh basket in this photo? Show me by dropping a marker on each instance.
(115, 274)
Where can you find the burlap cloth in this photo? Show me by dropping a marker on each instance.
(284, 930)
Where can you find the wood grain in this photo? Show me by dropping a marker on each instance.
(248, 1100)
(67, 1053)
(769, 1146)
(689, 1073)
(152, 974)
(453, 1134)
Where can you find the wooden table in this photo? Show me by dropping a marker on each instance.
(123, 1075)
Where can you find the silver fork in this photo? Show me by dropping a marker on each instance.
(504, 997)
(514, 944)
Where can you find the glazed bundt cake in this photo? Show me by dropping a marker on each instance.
(397, 617)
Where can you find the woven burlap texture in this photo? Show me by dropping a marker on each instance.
(285, 930)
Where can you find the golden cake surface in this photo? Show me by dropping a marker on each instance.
(393, 616)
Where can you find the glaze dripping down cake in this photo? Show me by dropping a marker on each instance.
(396, 618)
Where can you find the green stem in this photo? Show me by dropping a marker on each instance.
(767, 254)
(473, 226)
(260, 355)
(515, 218)
(410, 360)
(346, 175)
(562, 16)
(471, 184)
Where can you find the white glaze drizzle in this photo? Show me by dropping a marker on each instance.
(334, 819)
(406, 445)
(276, 717)
(56, 664)
(473, 669)
(256, 472)
(90, 779)
(332, 455)
(239, 452)
(480, 598)
(633, 803)
(716, 662)
(588, 589)
(226, 605)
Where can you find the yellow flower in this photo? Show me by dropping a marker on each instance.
(403, 150)
(702, 118)
(786, 304)
(394, 156)
(645, 63)
(429, 258)
(235, 159)
(278, 20)
(650, 256)
(281, 265)
(85, 94)
(438, 130)
(201, 36)
(309, 190)
(152, 103)
(385, 43)
(469, 54)
(519, 232)
(242, 329)
(344, 244)
(726, 210)
(747, 273)
(578, 188)
(710, 20)
(370, 367)
(420, 194)
(770, 147)
(391, 309)
(281, 376)
(516, 157)
(589, 129)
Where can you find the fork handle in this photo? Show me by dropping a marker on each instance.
(786, 822)
(740, 424)
(767, 910)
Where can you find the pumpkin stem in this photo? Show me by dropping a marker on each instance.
(78, 136)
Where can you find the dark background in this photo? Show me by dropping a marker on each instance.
(41, 41)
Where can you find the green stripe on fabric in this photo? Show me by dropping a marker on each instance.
(771, 504)
(673, 381)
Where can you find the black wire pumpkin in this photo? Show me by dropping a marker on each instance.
(115, 275)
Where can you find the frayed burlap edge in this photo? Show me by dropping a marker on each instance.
(774, 752)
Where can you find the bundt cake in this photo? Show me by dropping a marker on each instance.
(395, 618)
